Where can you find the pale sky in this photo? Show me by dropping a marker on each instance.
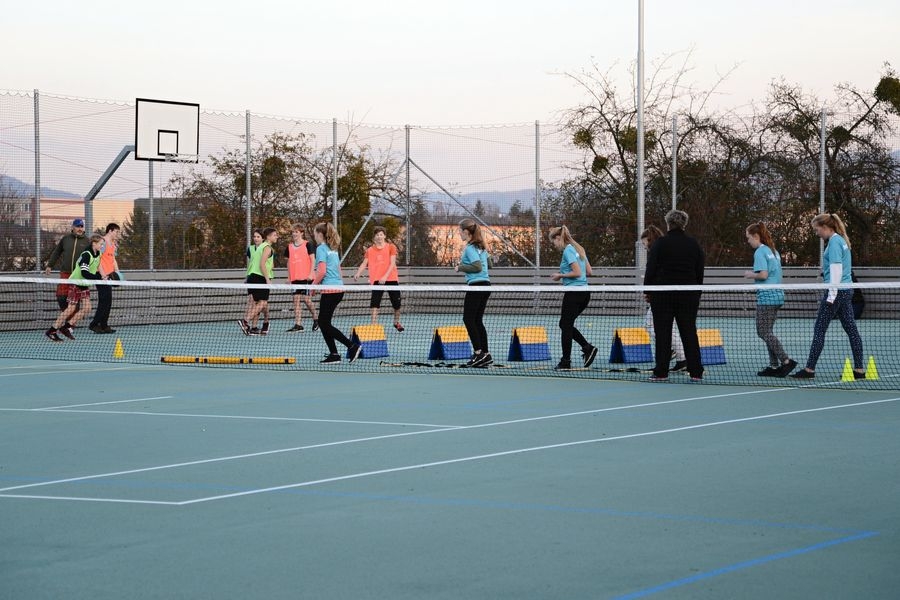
(430, 63)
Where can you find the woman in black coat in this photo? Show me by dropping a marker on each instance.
(675, 259)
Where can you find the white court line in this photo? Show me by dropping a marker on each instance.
(45, 408)
(238, 417)
(58, 371)
(383, 437)
(523, 451)
(88, 499)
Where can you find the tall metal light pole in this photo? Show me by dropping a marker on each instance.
(639, 100)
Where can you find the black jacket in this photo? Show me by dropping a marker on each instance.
(68, 249)
(675, 259)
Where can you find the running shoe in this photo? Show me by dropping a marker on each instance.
(295, 328)
(589, 356)
(354, 352)
(331, 358)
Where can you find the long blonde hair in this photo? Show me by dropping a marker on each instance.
(475, 236)
(332, 237)
(567, 238)
(833, 222)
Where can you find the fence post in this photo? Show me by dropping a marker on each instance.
(408, 202)
(537, 198)
(248, 190)
(674, 162)
(822, 182)
(152, 212)
(36, 208)
(334, 172)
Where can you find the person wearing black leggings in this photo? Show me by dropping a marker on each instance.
(573, 271)
(328, 272)
(474, 264)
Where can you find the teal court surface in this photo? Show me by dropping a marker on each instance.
(156, 481)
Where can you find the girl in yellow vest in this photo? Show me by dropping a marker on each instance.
(261, 270)
(87, 267)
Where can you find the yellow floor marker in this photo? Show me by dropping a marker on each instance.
(848, 372)
(871, 369)
(119, 351)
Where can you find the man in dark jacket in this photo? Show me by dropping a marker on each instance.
(67, 251)
(675, 259)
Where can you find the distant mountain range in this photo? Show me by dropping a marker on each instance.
(19, 188)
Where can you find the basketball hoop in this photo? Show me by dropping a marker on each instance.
(181, 158)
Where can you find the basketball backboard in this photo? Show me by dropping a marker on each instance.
(166, 131)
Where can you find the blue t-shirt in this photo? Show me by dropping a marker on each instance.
(569, 256)
(332, 261)
(766, 259)
(837, 252)
(472, 254)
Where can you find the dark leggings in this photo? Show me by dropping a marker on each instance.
(327, 304)
(841, 308)
(573, 304)
(473, 313)
(104, 304)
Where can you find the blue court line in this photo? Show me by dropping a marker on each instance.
(744, 565)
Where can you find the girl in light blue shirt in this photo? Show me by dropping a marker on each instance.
(328, 272)
(474, 264)
(767, 270)
(835, 302)
(574, 269)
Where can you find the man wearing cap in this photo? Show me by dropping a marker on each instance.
(68, 250)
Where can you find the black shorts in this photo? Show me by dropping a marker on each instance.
(377, 295)
(258, 294)
(301, 282)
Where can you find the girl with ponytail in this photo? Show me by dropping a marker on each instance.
(836, 268)
(474, 264)
(767, 270)
(573, 271)
(328, 272)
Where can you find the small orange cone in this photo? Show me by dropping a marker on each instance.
(119, 351)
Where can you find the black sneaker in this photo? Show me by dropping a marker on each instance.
(96, 328)
(253, 331)
(858, 375)
(265, 328)
(589, 356)
(786, 368)
(315, 325)
(66, 331)
(331, 358)
(472, 360)
(804, 374)
(51, 335)
(772, 372)
(295, 328)
(245, 326)
(354, 352)
(484, 360)
(564, 365)
(680, 365)
(107, 329)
